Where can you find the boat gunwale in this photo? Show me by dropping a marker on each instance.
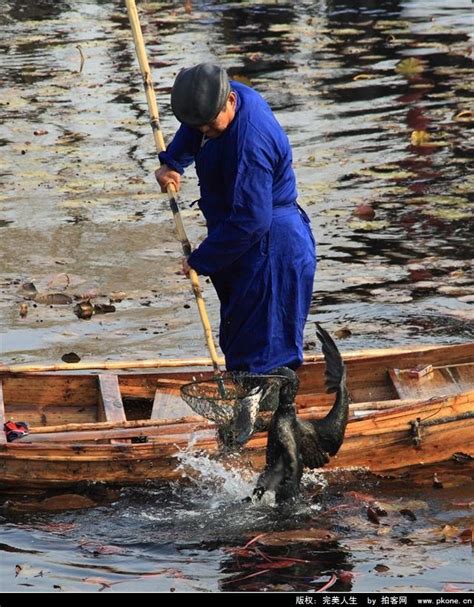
(254, 443)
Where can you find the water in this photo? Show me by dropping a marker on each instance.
(357, 85)
(201, 536)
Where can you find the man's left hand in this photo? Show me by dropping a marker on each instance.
(185, 267)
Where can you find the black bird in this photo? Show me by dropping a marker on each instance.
(322, 438)
(294, 443)
(284, 462)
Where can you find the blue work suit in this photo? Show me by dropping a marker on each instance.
(259, 251)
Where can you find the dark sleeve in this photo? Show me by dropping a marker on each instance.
(251, 214)
(181, 151)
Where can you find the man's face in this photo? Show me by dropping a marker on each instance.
(217, 126)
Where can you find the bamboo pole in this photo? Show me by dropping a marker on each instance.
(195, 422)
(159, 363)
(189, 423)
(154, 363)
(160, 147)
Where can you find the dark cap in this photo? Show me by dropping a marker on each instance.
(199, 93)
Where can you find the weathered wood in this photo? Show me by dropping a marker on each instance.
(111, 409)
(411, 355)
(127, 424)
(111, 404)
(382, 439)
(463, 375)
(3, 438)
(50, 390)
(157, 461)
(166, 434)
(168, 403)
(112, 365)
(442, 381)
(43, 415)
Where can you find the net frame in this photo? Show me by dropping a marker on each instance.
(217, 398)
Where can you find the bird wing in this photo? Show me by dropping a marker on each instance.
(335, 369)
(312, 452)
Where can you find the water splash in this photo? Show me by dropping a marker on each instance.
(216, 480)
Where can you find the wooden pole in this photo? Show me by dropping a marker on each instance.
(158, 363)
(154, 363)
(160, 147)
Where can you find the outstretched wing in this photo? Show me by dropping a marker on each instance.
(335, 369)
(330, 430)
(312, 452)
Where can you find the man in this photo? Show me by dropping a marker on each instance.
(259, 251)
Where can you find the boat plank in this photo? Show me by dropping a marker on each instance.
(400, 418)
(39, 415)
(111, 409)
(144, 386)
(438, 444)
(437, 383)
(181, 431)
(45, 390)
(168, 404)
(112, 406)
(463, 375)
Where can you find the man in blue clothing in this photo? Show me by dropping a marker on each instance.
(259, 251)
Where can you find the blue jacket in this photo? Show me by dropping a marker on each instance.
(259, 251)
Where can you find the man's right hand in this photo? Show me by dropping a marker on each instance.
(165, 176)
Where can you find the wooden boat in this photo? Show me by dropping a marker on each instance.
(130, 426)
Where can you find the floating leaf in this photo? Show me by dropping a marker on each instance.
(84, 310)
(364, 77)
(419, 137)
(103, 309)
(411, 66)
(373, 516)
(300, 536)
(97, 548)
(464, 116)
(451, 588)
(28, 289)
(70, 357)
(98, 580)
(409, 514)
(343, 333)
(466, 536)
(364, 211)
(368, 226)
(53, 299)
(59, 281)
(117, 296)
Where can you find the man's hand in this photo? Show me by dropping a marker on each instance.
(185, 268)
(165, 176)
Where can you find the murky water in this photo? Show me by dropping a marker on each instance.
(377, 100)
(200, 536)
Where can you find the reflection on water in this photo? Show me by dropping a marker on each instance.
(201, 537)
(377, 99)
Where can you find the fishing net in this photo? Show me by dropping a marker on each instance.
(220, 399)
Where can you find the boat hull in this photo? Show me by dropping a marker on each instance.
(398, 433)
